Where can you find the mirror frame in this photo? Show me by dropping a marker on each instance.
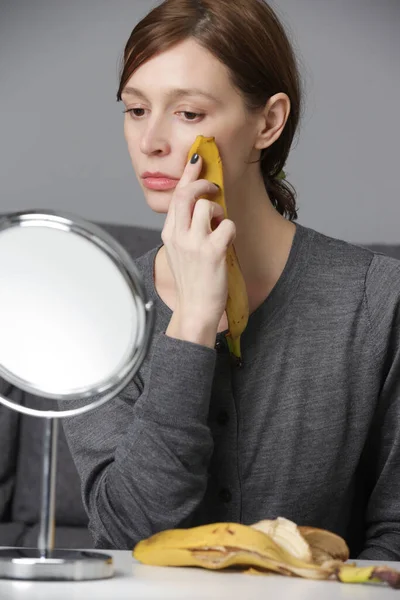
(145, 310)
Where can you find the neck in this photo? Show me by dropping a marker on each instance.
(263, 242)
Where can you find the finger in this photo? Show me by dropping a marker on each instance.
(192, 171)
(186, 199)
(224, 235)
(190, 174)
(206, 215)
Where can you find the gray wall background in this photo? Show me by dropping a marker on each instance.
(61, 139)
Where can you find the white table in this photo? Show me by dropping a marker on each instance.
(134, 581)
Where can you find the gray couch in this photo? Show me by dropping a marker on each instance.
(20, 451)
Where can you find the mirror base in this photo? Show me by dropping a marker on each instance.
(60, 565)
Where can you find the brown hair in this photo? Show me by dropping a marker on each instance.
(248, 38)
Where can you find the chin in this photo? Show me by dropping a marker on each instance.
(158, 201)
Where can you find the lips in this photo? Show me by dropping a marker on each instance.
(158, 174)
(159, 181)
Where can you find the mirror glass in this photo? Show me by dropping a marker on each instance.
(70, 318)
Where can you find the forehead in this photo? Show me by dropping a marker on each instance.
(184, 66)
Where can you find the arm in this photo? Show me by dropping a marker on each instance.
(143, 456)
(383, 447)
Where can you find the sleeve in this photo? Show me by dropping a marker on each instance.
(143, 457)
(382, 518)
(9, 430)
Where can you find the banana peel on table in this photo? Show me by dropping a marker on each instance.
(237, 306)
(276, 546)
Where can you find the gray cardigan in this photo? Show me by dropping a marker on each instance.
(308, 429)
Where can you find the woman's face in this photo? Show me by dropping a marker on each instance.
(175, 96)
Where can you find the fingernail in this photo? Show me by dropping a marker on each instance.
(194, 159)
(216, 185)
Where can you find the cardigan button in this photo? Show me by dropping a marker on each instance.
(220, 346)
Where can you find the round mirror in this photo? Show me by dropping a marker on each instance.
(74, 319)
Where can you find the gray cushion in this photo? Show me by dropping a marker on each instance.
(389, 249)
(65, 537)
(26, 498)
(10, 533)
(135, 240)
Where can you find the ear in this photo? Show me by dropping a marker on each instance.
(272, 120)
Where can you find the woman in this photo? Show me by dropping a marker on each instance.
(308, 428)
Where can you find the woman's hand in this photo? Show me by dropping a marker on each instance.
(196, 237)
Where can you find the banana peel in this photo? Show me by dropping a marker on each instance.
(287, 535)
(224, 545)
(221, 545)
(308, 543)
(324, 545)
(237, 306)
(326, 549)
(354, 574)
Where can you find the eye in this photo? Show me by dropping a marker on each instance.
(135, 112)
(138, 113)
(191, 116)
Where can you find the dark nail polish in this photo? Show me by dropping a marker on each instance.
(194, 159)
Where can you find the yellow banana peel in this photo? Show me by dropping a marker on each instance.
(221, 545)
(237, 306)
(353, 574)
(324, 545)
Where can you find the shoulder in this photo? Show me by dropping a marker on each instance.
(357, 271)
(145, 262)
(382, 292)
(145, 265)
(384, 270)
(335, 270)
(328, 251)
(345, 259)
(380, 271)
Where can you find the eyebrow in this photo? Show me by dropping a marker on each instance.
(174, 93)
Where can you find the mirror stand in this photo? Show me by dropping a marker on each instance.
(55, 269)
(44, 562)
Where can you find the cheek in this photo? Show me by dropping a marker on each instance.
(235, 142)
(131, 143)
(235, 154)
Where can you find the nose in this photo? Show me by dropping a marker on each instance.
(154, 140)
